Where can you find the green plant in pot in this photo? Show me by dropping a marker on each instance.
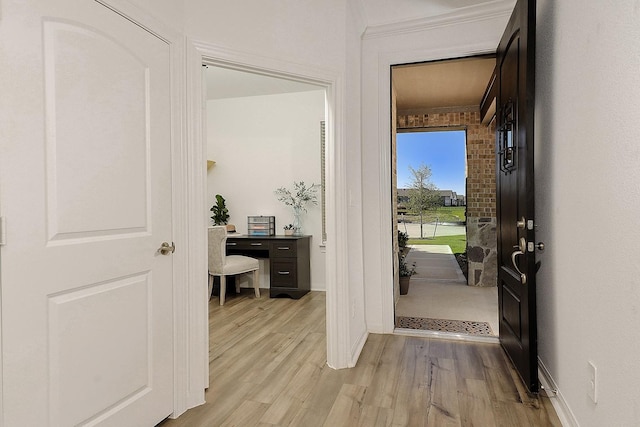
(405, 272)
(403, 239)
(221, 213)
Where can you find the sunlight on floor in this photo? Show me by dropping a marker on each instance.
(439, 290)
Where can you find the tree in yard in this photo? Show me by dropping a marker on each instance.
(423, 194)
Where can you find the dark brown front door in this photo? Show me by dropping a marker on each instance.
(515, 197)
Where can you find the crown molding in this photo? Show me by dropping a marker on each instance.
(493, 9)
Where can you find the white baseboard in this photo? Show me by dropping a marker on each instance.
(555, 395)
(357, 349)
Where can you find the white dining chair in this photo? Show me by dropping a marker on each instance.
(222, 265)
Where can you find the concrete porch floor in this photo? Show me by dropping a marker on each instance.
(439, 290)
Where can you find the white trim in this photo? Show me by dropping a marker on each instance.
(357, 348)
(194, 346)
(338, 354)
(567, 419)
(138, 16)
(336, 268)
(180, 235)
(468, 14)
(385, 61)
(258, 64)
(385, 194)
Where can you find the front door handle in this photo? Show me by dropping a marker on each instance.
(514, 254)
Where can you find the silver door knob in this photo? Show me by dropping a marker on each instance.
(166, 248)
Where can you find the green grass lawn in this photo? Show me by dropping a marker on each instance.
(458, 244)
(444, 214)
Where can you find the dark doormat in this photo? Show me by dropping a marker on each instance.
(444, 325)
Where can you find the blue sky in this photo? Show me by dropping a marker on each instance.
(443, 152)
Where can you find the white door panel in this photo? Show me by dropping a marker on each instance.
(86, 141)
(85, 168)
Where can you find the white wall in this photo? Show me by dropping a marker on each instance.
(261, 143)
(308, 38)
(435, 40)
(587, 203)
(169, 12)
(305, 32)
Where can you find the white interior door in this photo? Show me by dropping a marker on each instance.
(85, 169)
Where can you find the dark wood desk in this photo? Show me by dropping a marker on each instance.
(289, 260)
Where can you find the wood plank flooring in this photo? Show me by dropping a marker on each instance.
(268, 368)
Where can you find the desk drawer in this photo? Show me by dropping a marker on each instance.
(284, 249)
(248, 244)
(284, 274)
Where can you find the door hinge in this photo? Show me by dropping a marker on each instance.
(3, 231)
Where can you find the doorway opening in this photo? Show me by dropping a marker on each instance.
(442, 99)
(262, 133)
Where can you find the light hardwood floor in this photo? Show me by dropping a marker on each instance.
(268, 368)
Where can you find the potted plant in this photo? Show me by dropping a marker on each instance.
(289, 230)
(221, 213)
(298, 198)
(405, 273)
(403, 238)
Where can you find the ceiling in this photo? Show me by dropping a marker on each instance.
(442, 84)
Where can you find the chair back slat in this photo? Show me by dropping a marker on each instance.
(217, 248)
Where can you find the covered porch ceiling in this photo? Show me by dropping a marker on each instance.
(441, 85)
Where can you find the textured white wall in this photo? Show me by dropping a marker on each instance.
(169, 12)
(312, 34)
(588, 202)
(261, 143)
(304, 32)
